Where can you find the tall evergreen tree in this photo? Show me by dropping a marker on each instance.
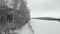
(13, 14)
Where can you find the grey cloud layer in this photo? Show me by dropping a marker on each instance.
(43, 3)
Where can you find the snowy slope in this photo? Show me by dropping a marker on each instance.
(45, 26)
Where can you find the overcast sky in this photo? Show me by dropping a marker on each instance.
(44, 8)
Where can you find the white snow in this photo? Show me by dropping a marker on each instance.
(45, 26)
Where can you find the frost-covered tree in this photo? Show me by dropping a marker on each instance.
(13, 14)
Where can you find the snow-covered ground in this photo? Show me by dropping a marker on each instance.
(45, 26)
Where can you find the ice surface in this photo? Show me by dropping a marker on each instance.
(45, 26)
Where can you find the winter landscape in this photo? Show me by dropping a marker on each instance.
(45, 8)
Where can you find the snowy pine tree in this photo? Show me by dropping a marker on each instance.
(13, 14)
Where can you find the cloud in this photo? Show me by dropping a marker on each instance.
(37, 7)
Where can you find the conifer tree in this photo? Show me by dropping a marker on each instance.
(13, 14)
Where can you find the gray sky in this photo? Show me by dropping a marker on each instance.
(44, 8)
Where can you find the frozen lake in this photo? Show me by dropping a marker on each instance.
(45, 26)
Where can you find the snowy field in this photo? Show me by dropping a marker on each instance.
(45, 26)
